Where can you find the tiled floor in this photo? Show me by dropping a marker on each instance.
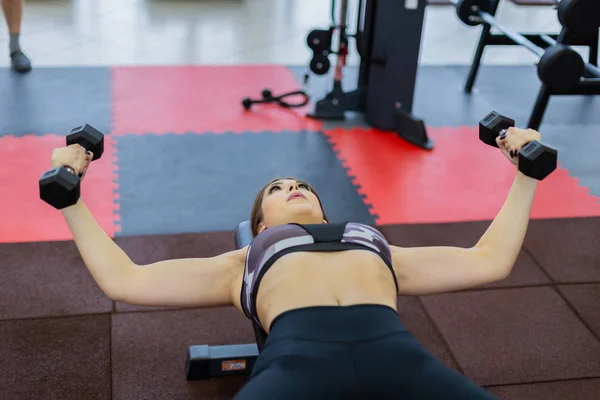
(164, 32)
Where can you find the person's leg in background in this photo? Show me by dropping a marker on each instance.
(13, 12)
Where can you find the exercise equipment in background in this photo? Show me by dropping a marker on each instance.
(388, 40)
(561, 69)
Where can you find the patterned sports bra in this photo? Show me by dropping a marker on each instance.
(273, 243)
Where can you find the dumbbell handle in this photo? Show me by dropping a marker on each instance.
(505, 131)
(71, 170)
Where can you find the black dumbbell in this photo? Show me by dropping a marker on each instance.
(536, 160)
(60, 187)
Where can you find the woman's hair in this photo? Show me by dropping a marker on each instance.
(256, 215)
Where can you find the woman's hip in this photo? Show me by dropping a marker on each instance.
(359, 351)
(342, 324)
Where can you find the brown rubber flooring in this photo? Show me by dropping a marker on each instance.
(533, 336)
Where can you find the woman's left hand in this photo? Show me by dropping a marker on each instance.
(511, 142)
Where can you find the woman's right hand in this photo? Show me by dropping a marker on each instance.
(74, 157)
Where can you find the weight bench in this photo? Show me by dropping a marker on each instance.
(206, 362)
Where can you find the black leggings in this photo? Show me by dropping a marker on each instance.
(350, 352)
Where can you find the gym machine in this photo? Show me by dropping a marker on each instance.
(561, 69)
(388, 40)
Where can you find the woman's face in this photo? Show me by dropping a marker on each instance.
(289, 201)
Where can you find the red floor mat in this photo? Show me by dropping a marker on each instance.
(26, 218)
(460, 180)
(202, 99)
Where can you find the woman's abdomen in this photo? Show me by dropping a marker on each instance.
(300, 280)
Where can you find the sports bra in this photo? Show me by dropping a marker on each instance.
(273, 243)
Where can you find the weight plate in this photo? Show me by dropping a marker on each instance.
(561, 68)
(581, 17)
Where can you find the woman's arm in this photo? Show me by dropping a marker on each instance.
(429, 270)
(193, 282)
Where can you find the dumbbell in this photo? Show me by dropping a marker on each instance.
(60, 187)
(536, 160)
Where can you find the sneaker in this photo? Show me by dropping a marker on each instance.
(20, 62)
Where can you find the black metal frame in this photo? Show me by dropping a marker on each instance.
(337, 102)
(588, 86)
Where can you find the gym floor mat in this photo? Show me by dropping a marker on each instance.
(54, 100)
(415, 319)
(462, 179)
(497, 336)
(510, 336)
(214, 186)
(201, 99)
(584, 299)
(47, 279)
(573, 143)
(27, 218)
(580, 389)
(577, 240)
(57, 358)
(140, 345)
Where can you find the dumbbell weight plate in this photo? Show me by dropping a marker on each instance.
(320, 64)
(581, 17)
(89, 138)
(491, 126)
(561, 68)
(537, 160)
(465, 9)
(60, 188)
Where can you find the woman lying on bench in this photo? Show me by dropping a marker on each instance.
(324, 293)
